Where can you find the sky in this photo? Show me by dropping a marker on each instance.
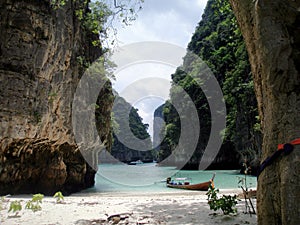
(164, 20)
(171, 21)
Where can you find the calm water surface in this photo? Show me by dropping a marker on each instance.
(148, 177)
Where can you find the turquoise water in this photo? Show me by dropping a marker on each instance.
(148, 177)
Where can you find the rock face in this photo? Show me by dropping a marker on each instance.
(158, 126)
(41, 52)
(124, 140)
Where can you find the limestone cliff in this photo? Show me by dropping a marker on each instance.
(41, 52)
(158, 126)
(121, 150)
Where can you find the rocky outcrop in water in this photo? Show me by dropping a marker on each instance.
(41, 54)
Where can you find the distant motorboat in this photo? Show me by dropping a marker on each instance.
(136, 162)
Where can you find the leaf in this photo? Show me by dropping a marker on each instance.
(15, 206)
(37, 198)
(59, 197)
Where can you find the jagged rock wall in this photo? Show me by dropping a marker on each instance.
(121, 150)
(41, 52)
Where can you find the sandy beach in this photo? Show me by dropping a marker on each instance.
(182, 207)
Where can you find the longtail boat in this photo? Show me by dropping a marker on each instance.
(185, 183)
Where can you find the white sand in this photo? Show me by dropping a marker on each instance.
(183, 207)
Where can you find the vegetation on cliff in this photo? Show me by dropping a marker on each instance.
(218, 41)
(99, 16)
(120, 150)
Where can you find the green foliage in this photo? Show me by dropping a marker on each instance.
(15, 207)
(257, 126)
(59, 197)
(95, 19)
(82, 61)
(101, 65)
(99, 16)
(94, 106)
(219, 43)
(242, 181)
(2, 200)
(56, 4)
(37, 198)
(223, 48)
(127, 9)
(34, 203)
(226, 203)
(115, 126)
(137, 127)
(34, 206)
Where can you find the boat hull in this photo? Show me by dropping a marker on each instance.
(196, 187)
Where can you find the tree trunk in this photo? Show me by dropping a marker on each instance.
(271, 29)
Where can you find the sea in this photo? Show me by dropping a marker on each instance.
(149, 177)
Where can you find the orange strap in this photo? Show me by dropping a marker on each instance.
(282, 148)
(294, 142)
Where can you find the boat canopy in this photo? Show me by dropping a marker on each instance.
(182, 178)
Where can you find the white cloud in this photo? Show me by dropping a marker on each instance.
(134, 73)
(201, 3)
(164, 20)
(172, 21)
(145, 86)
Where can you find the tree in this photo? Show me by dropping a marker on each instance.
(272, 35)
(100, 16)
